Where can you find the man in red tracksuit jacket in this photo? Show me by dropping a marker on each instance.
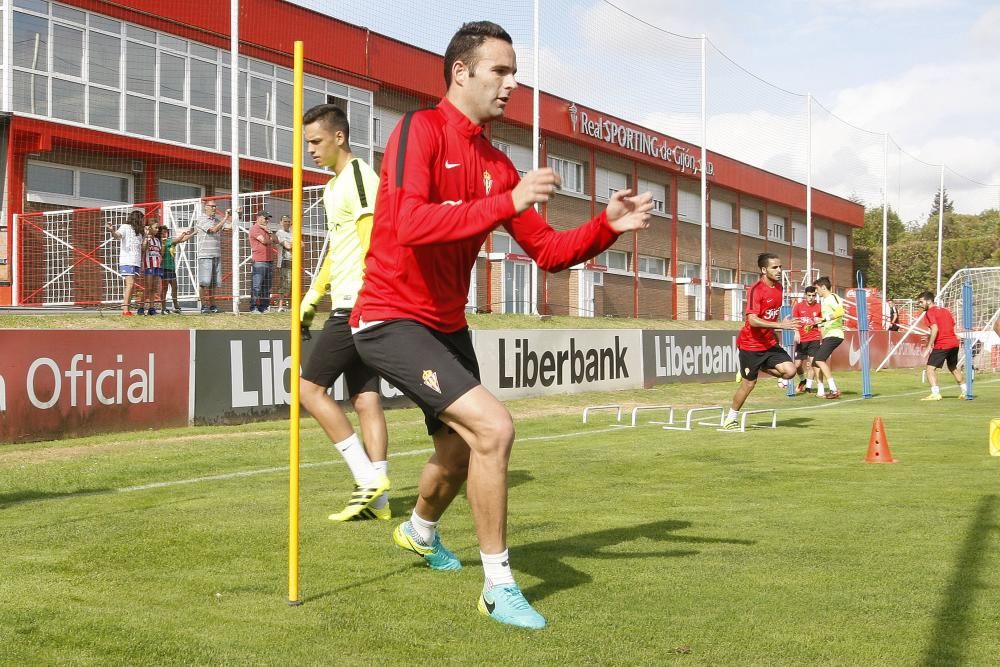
(443, 189)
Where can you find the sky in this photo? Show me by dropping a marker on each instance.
(927, 72)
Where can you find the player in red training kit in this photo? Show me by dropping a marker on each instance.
(807, 338)
(942, 346)
(759, 349)
(444, 188)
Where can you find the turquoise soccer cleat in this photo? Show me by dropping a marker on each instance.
(506, 604)
(436, 554)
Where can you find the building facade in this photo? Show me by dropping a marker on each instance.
(116, 103)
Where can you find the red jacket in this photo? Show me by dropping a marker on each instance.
(428, 232)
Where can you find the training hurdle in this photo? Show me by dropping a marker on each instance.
(703, 421)
(743, 419)
(636, 409)
(590, 408)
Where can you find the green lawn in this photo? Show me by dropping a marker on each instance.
(640, 546)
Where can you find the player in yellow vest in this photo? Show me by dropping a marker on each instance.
(832, 327)
(349, 200)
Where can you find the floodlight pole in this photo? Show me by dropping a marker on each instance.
(940, 231)
(234, 145)
(535, 138)
(885, 221)
(702, 314)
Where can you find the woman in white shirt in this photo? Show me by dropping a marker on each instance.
(130, 233)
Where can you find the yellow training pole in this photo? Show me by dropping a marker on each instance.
(295, 337)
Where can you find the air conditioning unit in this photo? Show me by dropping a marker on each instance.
(138, 166)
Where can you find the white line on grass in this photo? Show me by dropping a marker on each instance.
(268, 471)
(834, 403)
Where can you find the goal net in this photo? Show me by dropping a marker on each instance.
(985, 311)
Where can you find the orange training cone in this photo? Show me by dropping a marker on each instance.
(878, 444)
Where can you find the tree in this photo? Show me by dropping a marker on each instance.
(949, 205)
(868, 242)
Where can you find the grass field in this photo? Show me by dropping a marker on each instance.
(640, 546)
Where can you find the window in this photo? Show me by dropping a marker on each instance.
(104, 58)
(174, 89)
(506, 244)
(799, 234)
(840, 244)
(140, 68)
(67, 50)
(140, 116)
(56, 184)
(106, 187)
(750, 221)
(67, 100)
(615, 260)
(31, 42)
(722, 276)
(607, 182)
(749, 277)
(821, 239)
(689, 205)
(171, 190)
(659, 193)
(570, 172)
(655, 266)
(172, 77)
(519, 155)
(688, 270)
(103, 108)
(203, 78)
(722, 214)
(775, 227)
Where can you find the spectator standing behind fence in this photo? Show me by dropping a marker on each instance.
(209, 226)
(130, 254)
(169, 278)
(152, 268)
(262, 252)
(283, 263)
(893, 316)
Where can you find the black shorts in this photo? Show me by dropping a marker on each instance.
(827, 347)
(333, 353)
(751, 362)
(937, 358)
(433, 369)
(806, 349)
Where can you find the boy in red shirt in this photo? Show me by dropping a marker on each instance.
(758, 346)
(942, 346)
(807, 338)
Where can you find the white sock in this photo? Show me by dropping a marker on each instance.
(425, 530)
(833, 386)
(733, 414)
(383, 468)
(357, 460)
(809, 384)
(819, 390)
(935, 389)
(496, 569)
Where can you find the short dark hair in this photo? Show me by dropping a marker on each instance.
(467, 40)
(764, 258)
(824, 282)
(810, 289)
(927, 296)
(331, 116)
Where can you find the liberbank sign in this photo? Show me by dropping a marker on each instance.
(614, 133)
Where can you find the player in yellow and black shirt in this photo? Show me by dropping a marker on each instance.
(349, 200)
